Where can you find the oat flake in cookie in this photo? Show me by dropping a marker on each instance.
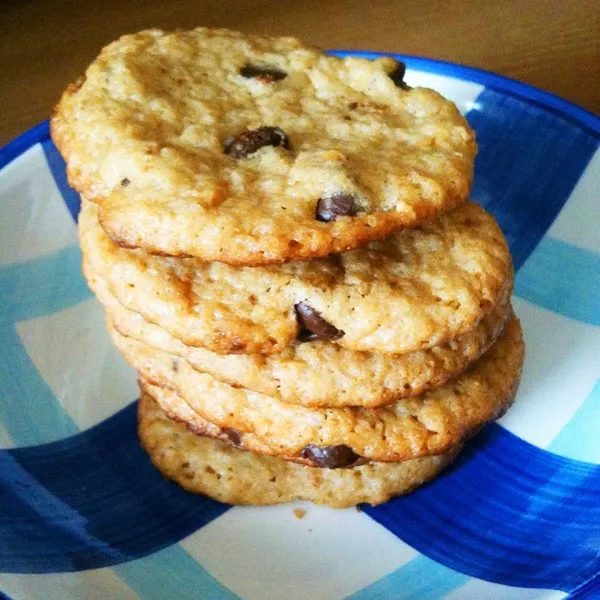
(254, 150)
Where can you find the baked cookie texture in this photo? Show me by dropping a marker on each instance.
(417, 289)
(320, 373)
(409, 428)
(285, 250)
(216, 469)
(176, 408)
(256, 150)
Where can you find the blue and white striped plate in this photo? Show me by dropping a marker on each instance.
(84, 515)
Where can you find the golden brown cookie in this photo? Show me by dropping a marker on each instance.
(212, 467)
(408, 428)
(320, 373)
(412, 291)
(255, 150)
(176, 408)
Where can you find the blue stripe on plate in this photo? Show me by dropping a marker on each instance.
(63, 527)
(58, 168)
(590, 590)
(562, 278)
(420, 578)
(518, 516)
(579, 439)
(517, 142)
(90, 501)
(172, 573)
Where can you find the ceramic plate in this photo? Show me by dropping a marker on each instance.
(83, 514)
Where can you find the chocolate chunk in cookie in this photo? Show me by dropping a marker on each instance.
(241, 146)
(336, 205)
(313, 325)
(330, 457)
(264, 74)
(397, 76)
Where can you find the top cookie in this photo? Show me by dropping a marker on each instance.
(252, 150)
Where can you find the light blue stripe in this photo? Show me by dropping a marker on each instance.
(42, 286)
(579, 437)
(420, 578)
(29, 411)
(172, 573)
(562, 278)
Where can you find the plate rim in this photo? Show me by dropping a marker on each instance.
(576, 115)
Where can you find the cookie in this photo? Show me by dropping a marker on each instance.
(320, 373)
(213, 468)
(408, 428)
(254, 150)
(415, 290)
(177, 409)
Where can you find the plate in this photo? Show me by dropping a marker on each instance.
(84, 515)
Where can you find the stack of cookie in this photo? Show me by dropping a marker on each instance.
(285, 250)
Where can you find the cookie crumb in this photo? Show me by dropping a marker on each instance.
(299, 513)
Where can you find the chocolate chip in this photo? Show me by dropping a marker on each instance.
(240, 146)
(304, 335)
(397, 76)
(313, 325)
(233, 436)
(330, 457)
(264, 74)
(339, 204)
(125, 182)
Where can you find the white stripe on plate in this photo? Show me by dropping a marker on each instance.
(476, 589)
(72, 351)
(5, 439)
(98, 584)
(562, 365)
(577, 223)
(269, 554)
(462, 93)
(34, 220)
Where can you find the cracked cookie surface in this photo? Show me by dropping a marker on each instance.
(321, 373)
(415, 290)
(252, 150)
(408, 428)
